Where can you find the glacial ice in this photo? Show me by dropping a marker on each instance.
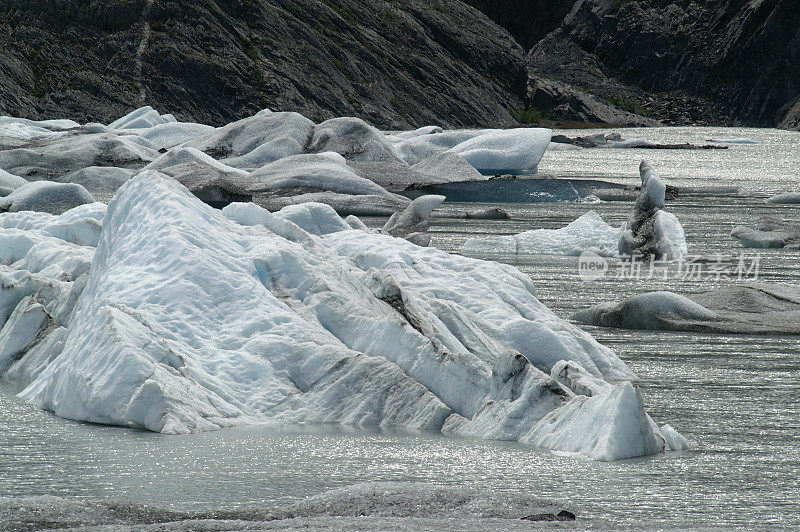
(172, 134)
(416, 149)
(142, 118)
(257, 140)
(587, 233)
(102, 157)
(413, 222)
(183, 319)
(406, 506)
(367, 151)
(314, 172)
(631, 143)
(510, 151)
(733, 140)
(769, 232)
(61, 154)
(324, 178)
(46, 196)
(447, 167)
(490, 151)
(10, 182)
(650, 229)
(99, 180)
(754, 308)
(313, 218)
(785, 198)
(653, 310)
(207, 178)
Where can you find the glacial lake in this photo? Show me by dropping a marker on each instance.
(735, 397)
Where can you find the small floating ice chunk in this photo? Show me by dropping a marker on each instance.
(734, 140)
(675, 442)
(651, 231)
(412, 223)
(631, 143)
(756, 308)
(606, 427)
(786, 198)
(653, 310)
(587, 233)
(769, 232)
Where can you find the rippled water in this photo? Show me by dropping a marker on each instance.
(737, 397)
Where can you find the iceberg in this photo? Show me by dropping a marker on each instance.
(413, 223)
(733, 140)
(770, 232)
(210, 180)
(785, 198)
(447, 167)
(322, 178)
(46, 196)
(141, 118)
(490, 151)
(172, 134)
(367, 151)
(10, 182)
(510, 151)
(99, 180)
(587, 233)
(257, 140)
(184, 318)
(58, 155)
(316, 172)
(754, 308)
(650, 229)
(415, 149)
(268, 144)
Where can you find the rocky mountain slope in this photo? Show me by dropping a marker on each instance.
(396, 64)
(399, 64)
(528, 21)
(711, 61)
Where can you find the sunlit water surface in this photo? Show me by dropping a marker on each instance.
(737, 398)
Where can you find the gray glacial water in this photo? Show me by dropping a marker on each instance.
(736, 397)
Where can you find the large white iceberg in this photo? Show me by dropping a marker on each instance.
(490, 151)
(510, 151)
(188, 320)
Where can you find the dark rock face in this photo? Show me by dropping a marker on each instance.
(712, 61)
(527, 20)
(396, 64)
